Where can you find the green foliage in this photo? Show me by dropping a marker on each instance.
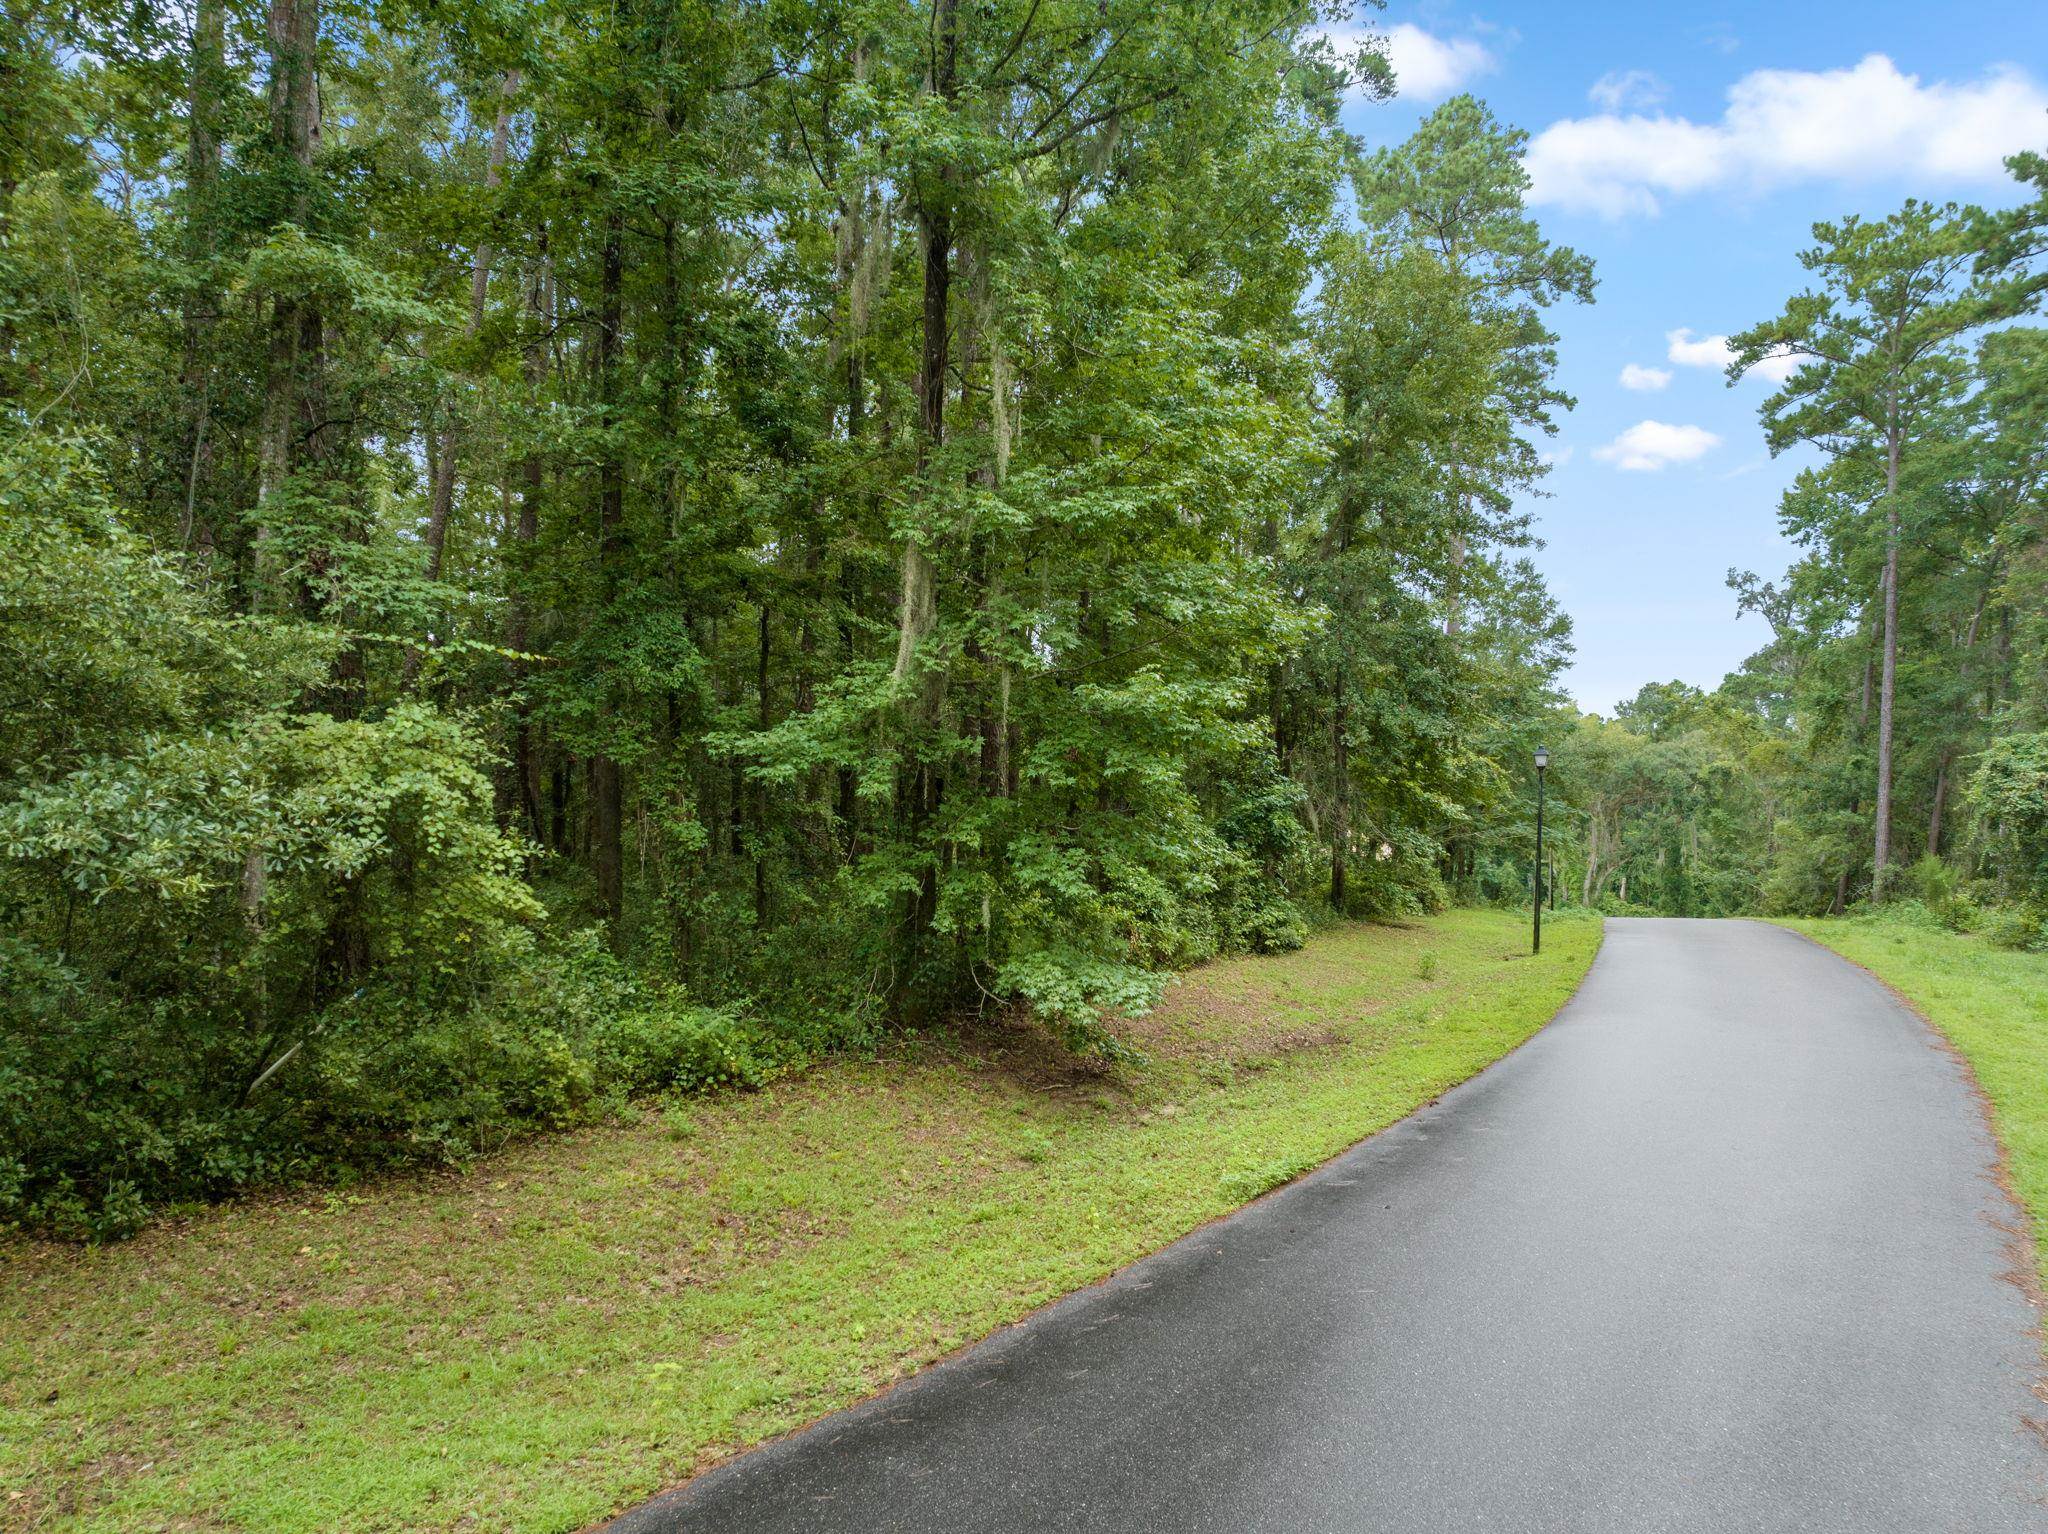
(674, 1047)
(2019, 928)
(1886, 744)
(1938, 888)
(1884, 677)
(901, 1206)
(2009, 796)
(1073, 990)
(1019, 505)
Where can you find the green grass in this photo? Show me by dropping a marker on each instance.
(588, 1318)
(1993, 1006)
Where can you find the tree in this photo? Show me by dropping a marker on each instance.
(1880, 367)
(694, 533)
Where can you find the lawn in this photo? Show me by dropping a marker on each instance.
(1993, 1006)
(588, 1318)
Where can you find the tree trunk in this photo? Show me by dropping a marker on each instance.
(441, 482)
(1887, 686)
(606, 787)
(519, 629)
(1592, 879)
(1454, 587)
(206, 87)
(294, 29)
(442, 500)
(1340, 808)
(1940, 803)
(920, 786)
(761, 792)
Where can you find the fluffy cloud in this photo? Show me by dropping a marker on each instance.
(1715, 352)
(1619, 90)
(1429, 68)
(1785, 125)
(1649, 446)
(1644, 380)
(1426, 67)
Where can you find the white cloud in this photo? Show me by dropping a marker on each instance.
(1706, 352)
(1644, 380)
(1715, 352)
(1649, 446)
(1429, 68)
(1784, 125)
(1557, 457)
(1621, 89)
(1426, 67)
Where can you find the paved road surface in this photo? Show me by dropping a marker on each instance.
(1714, 1252)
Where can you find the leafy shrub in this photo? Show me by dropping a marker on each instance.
(1072, 990)
(1807, 863)
(1270, 861)
(1276, 924)
(138, 1113)
(2008, 799)
(671, 1046)
(1938, 887)
(1909, 911)
(2016, 927)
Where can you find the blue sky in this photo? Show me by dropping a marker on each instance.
(1688, 149)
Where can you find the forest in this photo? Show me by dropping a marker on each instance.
(557, 552)
(1889, 745)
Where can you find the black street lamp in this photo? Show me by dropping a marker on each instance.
(1542, 761)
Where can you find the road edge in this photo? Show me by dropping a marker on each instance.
(651, 1509)
(2022, 1270)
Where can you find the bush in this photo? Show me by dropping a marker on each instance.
(2016, 927)
(2008, 799)
(1908, 911)
(1938, 887)
(1807, 863)
(671, 1046)
(1273, 925)
(1072, 990)
(128, 1118)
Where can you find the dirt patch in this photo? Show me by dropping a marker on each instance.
(1324, 1038)
(1018, 1050)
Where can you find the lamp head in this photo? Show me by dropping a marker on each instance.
(1542, 757)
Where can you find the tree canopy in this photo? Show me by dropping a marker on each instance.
(561, 550)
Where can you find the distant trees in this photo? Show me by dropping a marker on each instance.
(1889, 730)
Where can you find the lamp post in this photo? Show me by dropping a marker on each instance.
(1542, 761)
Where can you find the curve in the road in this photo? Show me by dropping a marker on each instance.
(1720, 1250)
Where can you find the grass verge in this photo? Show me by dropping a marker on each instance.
(1992, 1005)
(589, 1318)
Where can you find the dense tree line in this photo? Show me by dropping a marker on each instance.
(561, 550)
(1891, 741)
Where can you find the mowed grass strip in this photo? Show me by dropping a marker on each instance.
(588, 1318)
(1993, 1006)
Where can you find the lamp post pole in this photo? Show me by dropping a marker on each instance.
(1542, 761)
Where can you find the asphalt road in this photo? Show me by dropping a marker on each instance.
(1719, 1250)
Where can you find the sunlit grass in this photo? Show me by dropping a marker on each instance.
(585, 1319)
